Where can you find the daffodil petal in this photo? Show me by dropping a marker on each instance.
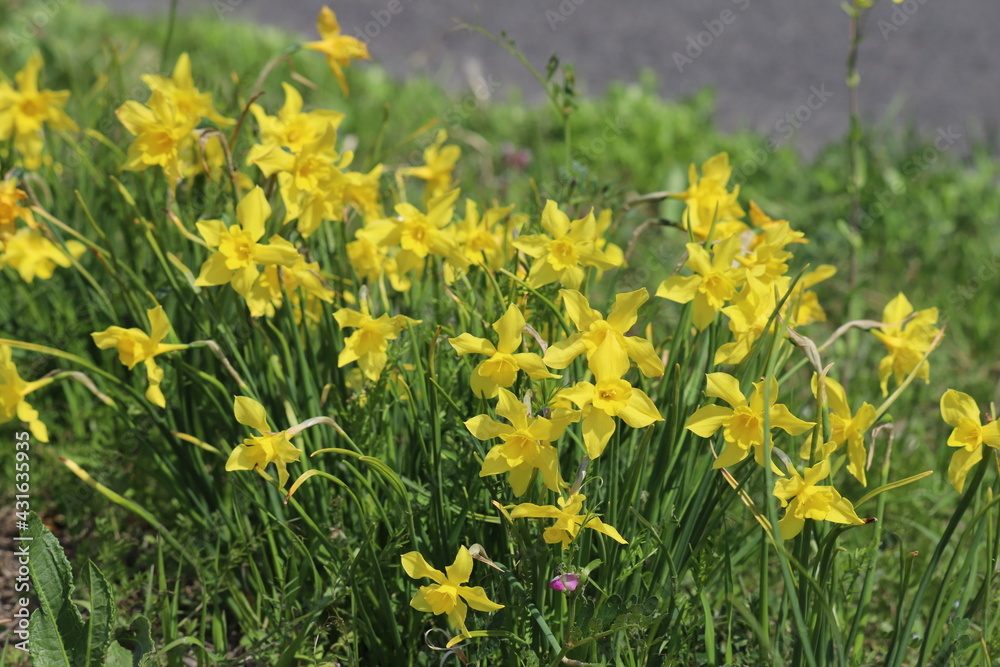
(956, 406)
(625, 311)
(469, 344)
(726, 387)
(417, 568)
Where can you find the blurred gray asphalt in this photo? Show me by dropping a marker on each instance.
(778, 67)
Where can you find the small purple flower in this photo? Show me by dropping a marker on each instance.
(565, 582)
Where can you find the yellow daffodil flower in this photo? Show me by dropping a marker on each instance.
(569, 516)
(303, 178)
(708, 201)
(767, 261)
(25, 111)
(419, 234)
(749, 313)
(802, 306)
(267, 293)
(448, 594)
(179, 88)
(372, 261)
(340, 49)
(369, 343)
(845, 428)
(483, 240)
(11, 198)
(135, 345)
(162, 135)
(361, 190)
(13, 391)
(811, 501)
(291, 128)
(257, 452)
(609, 396)
(237, 249)
(500, 369)
(439, 164)
(314, 182)
(714, 283)
(593, 330)
(527, 443)
(969, 434)
(562, 255)
(906, 343)
(34, 256)
(743, 421)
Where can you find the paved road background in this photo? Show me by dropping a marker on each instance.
(928, 62)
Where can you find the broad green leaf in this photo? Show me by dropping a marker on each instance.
(56, 626)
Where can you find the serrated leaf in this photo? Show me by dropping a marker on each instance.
(97, 630)
(56, 626)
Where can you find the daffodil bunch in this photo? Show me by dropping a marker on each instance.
(608, 350)
(300, 148)
(165, 127)
(712, 209)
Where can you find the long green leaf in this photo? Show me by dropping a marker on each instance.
(97, 629)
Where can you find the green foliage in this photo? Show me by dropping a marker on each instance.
(232, 572)
(60, 636)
